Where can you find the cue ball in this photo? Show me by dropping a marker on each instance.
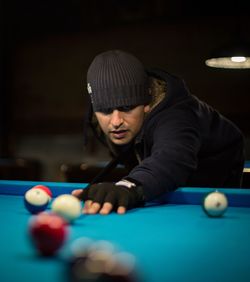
(45, 189)
(48, 232)
(215, 204)
(67, 206)
(36, 200)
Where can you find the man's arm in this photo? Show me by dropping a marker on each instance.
(172, 158)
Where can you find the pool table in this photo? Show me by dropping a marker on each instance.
(246, 175)
(172, 239)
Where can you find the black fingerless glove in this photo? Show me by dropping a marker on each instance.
(123, 193)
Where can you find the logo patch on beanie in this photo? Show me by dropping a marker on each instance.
(89, 88)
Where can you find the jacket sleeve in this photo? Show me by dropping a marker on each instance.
(174, 141)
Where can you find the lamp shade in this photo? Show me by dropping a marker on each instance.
(235, 55)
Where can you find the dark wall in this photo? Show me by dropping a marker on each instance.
(47, 47)
(48, 73)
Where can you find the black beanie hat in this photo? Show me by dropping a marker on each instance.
(117, 79)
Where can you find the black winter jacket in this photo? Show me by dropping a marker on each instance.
(185, 142)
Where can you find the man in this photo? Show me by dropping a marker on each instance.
(169, 137)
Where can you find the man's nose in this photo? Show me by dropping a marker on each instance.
(116, 119)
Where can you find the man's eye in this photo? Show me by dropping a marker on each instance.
(106, 111)
(120, 109)
(126, 108)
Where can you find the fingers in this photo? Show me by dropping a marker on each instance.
(121, 210)
(77, 193)
(91, 207)
(110, 202)
(80, 193)
(103, 198)
(87, 205)
(106, 208)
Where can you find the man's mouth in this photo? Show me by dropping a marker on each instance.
(118, 134)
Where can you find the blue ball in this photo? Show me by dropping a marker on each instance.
(36, 200)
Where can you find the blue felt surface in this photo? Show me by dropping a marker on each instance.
(170, 243)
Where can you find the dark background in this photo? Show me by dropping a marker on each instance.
(47, 46)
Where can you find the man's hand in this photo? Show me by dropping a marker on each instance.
(105, 197)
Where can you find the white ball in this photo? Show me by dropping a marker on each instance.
(215, 204)
(67, 206)
(36, 197)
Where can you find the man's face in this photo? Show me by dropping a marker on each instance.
(121, 125)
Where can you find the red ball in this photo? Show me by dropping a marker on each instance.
(44, 188)
(48, 233)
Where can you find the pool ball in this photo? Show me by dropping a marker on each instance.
(67, 206)
(100, 262)
(48, 233)
(124, 268)
(36, 200)
(215, 204)
(44, 188)
(99, 266)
